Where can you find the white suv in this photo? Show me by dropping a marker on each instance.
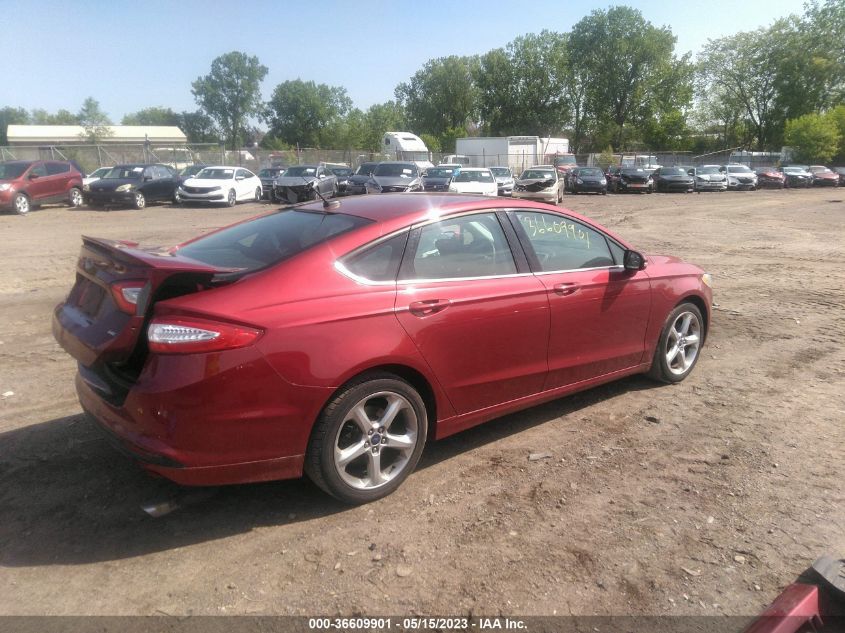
(739, 176)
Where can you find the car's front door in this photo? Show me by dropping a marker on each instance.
(39, 183)
(599, 310)
(477, 315)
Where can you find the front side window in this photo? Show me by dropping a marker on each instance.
(39, 170)
(560, 243)
(468, 246)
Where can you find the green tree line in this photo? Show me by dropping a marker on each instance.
(614, 80)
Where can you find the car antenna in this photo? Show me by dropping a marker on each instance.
(328, 205)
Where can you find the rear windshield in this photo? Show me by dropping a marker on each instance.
(400, 170)
(270, 239)
(8, 171)
(125, 172)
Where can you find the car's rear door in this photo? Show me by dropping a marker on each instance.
(477, 315)
(599, 310)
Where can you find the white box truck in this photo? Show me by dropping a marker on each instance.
(516, 152)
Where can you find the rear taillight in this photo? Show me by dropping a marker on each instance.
(128, 295)
(186, 335)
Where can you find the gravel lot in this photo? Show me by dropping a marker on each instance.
(701, 498)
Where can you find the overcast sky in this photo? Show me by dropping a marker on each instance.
(132, 55)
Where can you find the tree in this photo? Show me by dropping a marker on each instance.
(441, 95)
(837, 115)
(231, 93)
(630, 68)
(94, 121)
(62, 117)
(380, 118)
(815, 137)
(155, 115)
(739, 70)
(522, 88)
(305, 113)
(11, 116)
(198, 127)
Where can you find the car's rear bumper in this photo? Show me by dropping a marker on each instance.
(207, 419)
(109, 197)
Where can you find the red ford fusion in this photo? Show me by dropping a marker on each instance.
(336, 339)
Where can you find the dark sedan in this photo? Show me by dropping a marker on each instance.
(268, 177)
(437, 178)
(841, 172)
(343, 174)
(587, 179)
(668, 179)
(357, 182)
(133, 185)
(338, 340)
(797, 176)
(395, 177)
(632, 179)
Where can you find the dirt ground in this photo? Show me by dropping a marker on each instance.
(701, 498)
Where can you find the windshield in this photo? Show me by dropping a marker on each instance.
(673, 171)
(439, 172)
(124, 172)
(8, 171)
(593, 172)
(500, 172)
(300, 170)
(564, 160)
(396, 170)
(820, 170)
(216, 174)
(342, 172)
(365, 169)
(711, 169)
(270, 173)
(269, 239)
(739, 169)
(529, 174)
(99, 173)
(793, 170)
(191, 170)
(471, 175)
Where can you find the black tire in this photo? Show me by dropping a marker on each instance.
(21, 204)
(139, 201)
(258, 194)
(74, 198)
(320, 463)
(660, 366)
(604, 192)
(232, 198)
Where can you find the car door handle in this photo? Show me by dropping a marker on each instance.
(566, 289)
(428, 306)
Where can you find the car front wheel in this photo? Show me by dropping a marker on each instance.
(679, 344)
(75, 198)
(139, 201)
(368, 439)
(232, 199)
(21, 204)
(258, 194)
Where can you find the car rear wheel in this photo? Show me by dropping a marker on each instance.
(368, 439)
(258, 194)
(75, 198)
(177, 199)
(21, 204)
(232, 199)
(679, 344)
(139, 201)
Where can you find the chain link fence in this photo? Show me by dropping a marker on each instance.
(91, 157)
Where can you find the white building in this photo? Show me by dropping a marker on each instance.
(46, 135)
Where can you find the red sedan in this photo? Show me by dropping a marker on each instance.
(336, 340)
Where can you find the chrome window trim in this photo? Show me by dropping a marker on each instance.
(579, 270)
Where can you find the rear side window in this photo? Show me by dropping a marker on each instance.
(57, 168)
(379, 262)
(560, 243)
(270, 239)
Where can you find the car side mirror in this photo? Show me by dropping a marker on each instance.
(34, 176)
(632, 260)
(147, 178)
(239, 178)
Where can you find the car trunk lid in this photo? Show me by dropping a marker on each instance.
(96, 323)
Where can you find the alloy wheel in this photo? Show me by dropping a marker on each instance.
(683, 343)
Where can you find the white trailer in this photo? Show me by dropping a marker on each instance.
(516, 152)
